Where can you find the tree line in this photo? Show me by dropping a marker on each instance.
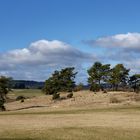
(99, 76)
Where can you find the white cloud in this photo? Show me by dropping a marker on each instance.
(41, 57)
(119, 48)
(125, 41)
(44, 52)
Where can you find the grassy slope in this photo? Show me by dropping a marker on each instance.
(82, 122)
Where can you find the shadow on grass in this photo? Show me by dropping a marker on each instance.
(77, 111)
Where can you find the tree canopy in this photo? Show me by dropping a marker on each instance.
(118, 76)
(98, 73)
(62, 80)
(134, 82)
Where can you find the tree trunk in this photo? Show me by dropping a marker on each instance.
(116, 87)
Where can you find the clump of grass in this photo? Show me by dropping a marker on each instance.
(136, 97)
(104, 91)
(70, 95)
(114, 99)
(19, 98)
(56, 96)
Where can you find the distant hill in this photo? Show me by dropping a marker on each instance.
(25, 84)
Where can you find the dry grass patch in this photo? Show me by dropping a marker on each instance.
(85, 116)
(74, 133)
(136, 97)
(119, 123)
(114, 99)
(79, 99)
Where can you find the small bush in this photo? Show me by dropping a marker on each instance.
(104, 91)
(56, 96)
(114, 100)
(137, 91)
(2, 107)
(63, 98)
(70, 95)
(20, 98)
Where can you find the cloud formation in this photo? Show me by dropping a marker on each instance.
(119, 48)
(130, 41)
(41, 58)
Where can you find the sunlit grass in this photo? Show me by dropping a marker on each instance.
(73, 133)
(125, 109)
(26, 92)
(112, 122)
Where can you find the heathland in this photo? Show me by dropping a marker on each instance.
(85, 116)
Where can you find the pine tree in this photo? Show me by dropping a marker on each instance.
(98, 73)
(60, 81)
(134, 82)
(118, 76)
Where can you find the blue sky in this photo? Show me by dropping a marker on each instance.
(78, 25)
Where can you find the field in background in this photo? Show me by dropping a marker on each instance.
(26, 92)
(86, 116)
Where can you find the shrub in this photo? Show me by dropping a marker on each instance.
(63, 98)
(70, 95)
(137, 90)
(114, 100)
(20, 98)
(104, 91)
(2, 101)
(56, 96)
(3, 108)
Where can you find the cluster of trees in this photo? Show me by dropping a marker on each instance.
(134, 82)
(116, 77)
(64, 80)
(100, 74)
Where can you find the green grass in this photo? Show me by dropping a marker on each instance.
(26, 92)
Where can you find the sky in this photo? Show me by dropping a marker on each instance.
(40, 36)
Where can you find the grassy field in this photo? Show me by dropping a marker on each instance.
(25, 92)
(83, 122)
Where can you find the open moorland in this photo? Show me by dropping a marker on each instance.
(86, 116)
